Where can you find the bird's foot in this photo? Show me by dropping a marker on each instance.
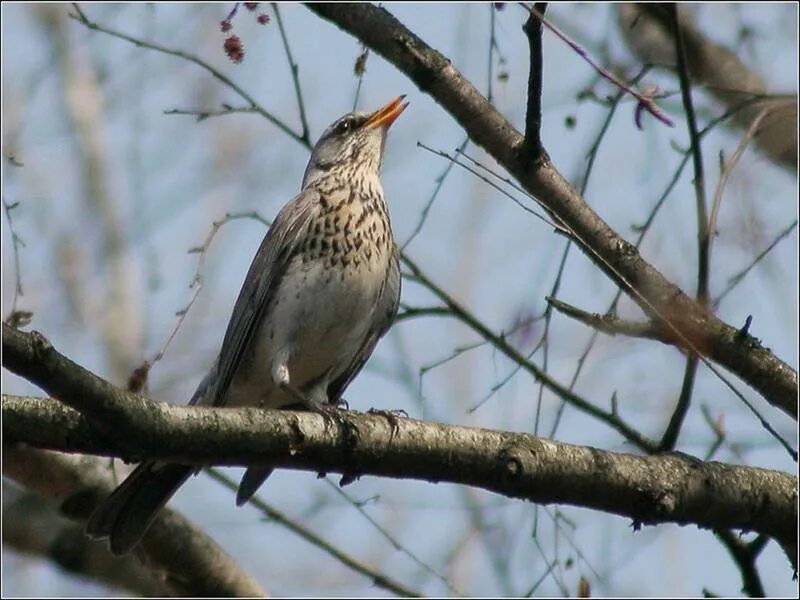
(330, 412)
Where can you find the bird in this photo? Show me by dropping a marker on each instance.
(322, 289)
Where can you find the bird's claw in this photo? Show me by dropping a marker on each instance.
(393, 416)
(332, 413)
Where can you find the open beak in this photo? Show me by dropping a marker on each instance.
(383, 117)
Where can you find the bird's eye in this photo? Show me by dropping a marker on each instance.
(344, 126)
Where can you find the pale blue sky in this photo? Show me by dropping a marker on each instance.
(170, 177)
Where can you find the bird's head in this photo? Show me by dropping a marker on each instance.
(353, 142)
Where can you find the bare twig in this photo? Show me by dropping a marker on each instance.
(611, 324)
(359, 69)
(727, 169)
(744, 555)
(197, 280)
(203, 114)
(410, 312)
(378, 578)
(645, 102)
(737, 279)
(426, 209)
(81, 18)
(295, 76)
(611, 419)
(697, 160)
(718, 429)
(491, 183)
(670, 437)
(492, 46)
(533, 115)
(16, 243)
(392, 540)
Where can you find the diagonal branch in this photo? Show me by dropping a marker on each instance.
(699, 329)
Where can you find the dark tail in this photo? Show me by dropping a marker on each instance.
(130, 509)
(251, 481)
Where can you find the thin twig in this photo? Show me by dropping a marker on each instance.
(197, 280)
(718, 429)
(379, 579)
(727, 169)
(410, 312)
(359, 69)
(737, 279)
(610, 324)
(670, 437)
(673, 429)
(491, 183)
(612, 420)
(697, 160)
(81, 18)
(744, 555)
(203, 114)
(16, 242)
(295, 77)
(426, 209)
(534, 150)
(517, 368)
(392, 540)
(645, 102)
(535, 586)
(492, 46)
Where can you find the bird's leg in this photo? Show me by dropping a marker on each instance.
(330, 412)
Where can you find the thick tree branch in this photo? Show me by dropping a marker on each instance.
(697, 329)
(34, 526)
(653, 489)
(33, 357)
(179, 555)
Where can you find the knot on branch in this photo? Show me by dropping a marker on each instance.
(41, 345)
(511, 465)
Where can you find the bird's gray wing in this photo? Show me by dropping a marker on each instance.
(385, 313)
(276, 251)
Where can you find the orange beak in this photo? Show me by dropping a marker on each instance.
(383, 117)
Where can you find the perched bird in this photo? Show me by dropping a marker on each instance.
(323, 288)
